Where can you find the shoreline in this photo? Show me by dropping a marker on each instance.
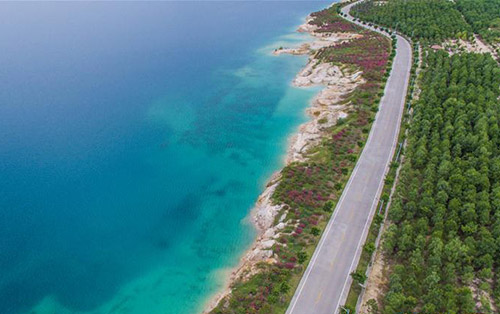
(323, 111)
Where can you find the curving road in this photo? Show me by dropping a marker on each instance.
(326, 281)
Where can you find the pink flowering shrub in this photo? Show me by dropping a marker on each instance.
(329, 21)
(369, 53)
(290, 265)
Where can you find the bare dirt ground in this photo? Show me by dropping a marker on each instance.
(376, 283)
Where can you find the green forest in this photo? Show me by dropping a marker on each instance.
(445, 233)
(430, 20)
(483, 16)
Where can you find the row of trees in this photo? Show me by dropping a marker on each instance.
(483, 16)
(432, 20)
(445, 236)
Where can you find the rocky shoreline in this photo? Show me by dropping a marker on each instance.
(324, 112)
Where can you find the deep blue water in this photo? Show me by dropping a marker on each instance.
(134, 140)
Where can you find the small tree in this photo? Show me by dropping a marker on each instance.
(301, 257)
(284, 287)
(372, 306)
(328, 206)
(370, 248)
(359, 277)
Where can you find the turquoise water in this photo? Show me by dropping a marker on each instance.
(135, 139)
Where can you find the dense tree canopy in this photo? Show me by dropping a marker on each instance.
(445, 236)
(433, 20)
(483, 16)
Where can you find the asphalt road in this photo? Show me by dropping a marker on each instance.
(326, 281)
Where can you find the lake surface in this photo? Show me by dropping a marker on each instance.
(134, 140)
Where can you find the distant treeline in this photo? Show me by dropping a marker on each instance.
(431, 20)
(483, 16)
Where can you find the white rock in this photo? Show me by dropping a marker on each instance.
(268, 244)
(269, 233)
